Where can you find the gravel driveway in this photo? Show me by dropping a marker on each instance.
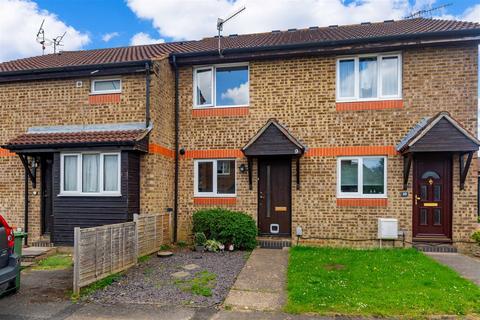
(154, 282)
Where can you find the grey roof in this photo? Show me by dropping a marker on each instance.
(413, 132)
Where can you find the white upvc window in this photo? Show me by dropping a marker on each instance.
(369, 77)
(215, 178)
(90, 174)
(362, 177)
(225, 85)
(105, 86)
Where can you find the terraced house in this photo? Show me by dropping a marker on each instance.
(324, 130)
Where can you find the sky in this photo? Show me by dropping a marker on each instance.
(112, 23)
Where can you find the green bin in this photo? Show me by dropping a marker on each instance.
(19, 236)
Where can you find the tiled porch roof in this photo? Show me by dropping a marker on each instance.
(66, 136)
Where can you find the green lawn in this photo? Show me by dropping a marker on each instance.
(55, 262)
(395, 282)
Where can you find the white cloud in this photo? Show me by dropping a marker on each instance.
(239, 95)
(143, 38)
(19, 23)
(187, 19)
(109, 36)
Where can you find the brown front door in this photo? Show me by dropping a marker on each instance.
(274, 196)
(432, 198)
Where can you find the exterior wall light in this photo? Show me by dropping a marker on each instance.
(243, 168)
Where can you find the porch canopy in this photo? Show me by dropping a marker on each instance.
(39, 140)
(273, 140)
(440, 133)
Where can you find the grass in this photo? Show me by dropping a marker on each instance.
(395, 282)
(98, 285)
(202, 284)
(55, 262)
(144, 259)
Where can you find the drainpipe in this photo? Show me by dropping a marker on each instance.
(175, 205)
(147, 94)
(25, 227)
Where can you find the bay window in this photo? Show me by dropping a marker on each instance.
(221, 86)
(215, 178)
(369, 77)
(91, 173)
(362, 177)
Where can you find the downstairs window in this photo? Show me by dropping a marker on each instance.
(215, 178)
(361, 177)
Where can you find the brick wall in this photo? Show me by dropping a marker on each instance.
(300, 94)
(47, 103)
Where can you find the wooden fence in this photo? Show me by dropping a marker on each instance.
(105, 250)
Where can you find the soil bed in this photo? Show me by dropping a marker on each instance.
(151, 282)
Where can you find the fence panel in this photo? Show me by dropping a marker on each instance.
(102, 251)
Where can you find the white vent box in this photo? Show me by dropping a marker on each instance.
(387, 228)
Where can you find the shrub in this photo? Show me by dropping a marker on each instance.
(227, 227)
(200, 239)
(476, 236)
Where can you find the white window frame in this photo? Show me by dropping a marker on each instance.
(213, 68)
(379, 96)
(79, 191)
(93, 91)
(359, 193)
(214, 193)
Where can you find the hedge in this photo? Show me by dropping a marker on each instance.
(227, 227)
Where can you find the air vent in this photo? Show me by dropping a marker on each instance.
(291, 30)
(275, 31)
(233, 35)
(365, 23)
(388, 21)
(333, 26)
(313, 28)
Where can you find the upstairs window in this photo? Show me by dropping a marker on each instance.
(221, 86)
(90, 174)
(215, 178)
(103, 86)
(361, 177)
(369, 77)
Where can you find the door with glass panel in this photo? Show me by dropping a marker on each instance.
(432, 196)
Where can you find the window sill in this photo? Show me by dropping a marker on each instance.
(234, 111)
(362, 202)
(101, 98)
(214, 200)
(89, 195)
(369, 105)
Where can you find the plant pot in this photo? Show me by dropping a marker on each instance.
(476, 250)
(199, 248)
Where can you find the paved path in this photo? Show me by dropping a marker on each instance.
(467, 266)
(261, 283)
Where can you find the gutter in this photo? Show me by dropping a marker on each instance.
(177, 115)
(104, 69)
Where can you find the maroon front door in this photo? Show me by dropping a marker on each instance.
(432, 198)
(274, 196)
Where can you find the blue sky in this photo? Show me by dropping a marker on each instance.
(112, 23)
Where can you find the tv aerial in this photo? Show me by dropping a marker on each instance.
(220, 23)
(426, 12)
(46, 42)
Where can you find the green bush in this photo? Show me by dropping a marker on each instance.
(227, 227)
(476, 236)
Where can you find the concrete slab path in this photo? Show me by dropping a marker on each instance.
(468, 267)
(261, 283)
